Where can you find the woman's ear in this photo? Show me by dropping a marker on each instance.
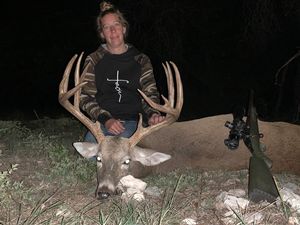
(101, 35)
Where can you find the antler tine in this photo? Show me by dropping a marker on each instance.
(172, 113)
(64, 96)
(63, 86)
(170, 83)
(76, 80)
(179, 88)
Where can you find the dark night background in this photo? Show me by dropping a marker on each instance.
(222, 48)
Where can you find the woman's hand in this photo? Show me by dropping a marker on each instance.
(114, 126)
(155, 119)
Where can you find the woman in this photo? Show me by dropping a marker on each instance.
(114, 73)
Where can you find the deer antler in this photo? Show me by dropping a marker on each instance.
(64, 96)
(172, 113)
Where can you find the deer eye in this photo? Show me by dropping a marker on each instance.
(126, 162)
(98, 159)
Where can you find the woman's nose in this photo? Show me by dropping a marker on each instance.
(112, 29)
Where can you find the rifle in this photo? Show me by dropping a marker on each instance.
(261, 185)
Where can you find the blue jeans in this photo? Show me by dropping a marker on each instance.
(130, 128)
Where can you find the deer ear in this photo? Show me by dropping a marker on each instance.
(148, 157)
(86, 149)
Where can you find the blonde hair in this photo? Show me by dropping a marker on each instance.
(107, 8)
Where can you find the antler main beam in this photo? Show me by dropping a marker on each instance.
(65, 94)
(171, 108)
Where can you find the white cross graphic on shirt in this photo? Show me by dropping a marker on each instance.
(117, 87)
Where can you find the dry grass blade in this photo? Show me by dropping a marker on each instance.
(282, 203)
(166, 208)
(41, 208)
(242, 222)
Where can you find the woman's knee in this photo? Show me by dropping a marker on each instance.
(89, 137)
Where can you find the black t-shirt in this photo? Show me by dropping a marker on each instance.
(117, 80)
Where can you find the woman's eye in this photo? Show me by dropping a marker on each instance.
(105, 27)
(127, 161)
(117, 24)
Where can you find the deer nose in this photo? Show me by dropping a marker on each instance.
(103, 195)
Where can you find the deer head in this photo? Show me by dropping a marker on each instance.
(118, 156)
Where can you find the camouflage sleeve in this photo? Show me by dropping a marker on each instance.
(148, 85)
(88, 101)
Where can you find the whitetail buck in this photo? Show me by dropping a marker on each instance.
(118, 156)
(192, 144)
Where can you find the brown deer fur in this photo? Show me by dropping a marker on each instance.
(200, 144)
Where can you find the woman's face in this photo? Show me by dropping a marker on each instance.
(112, 30)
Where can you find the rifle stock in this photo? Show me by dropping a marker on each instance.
(261, 184)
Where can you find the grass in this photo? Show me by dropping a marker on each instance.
(44, 181)
(12, 192)
(70, 167)
(50, 211)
